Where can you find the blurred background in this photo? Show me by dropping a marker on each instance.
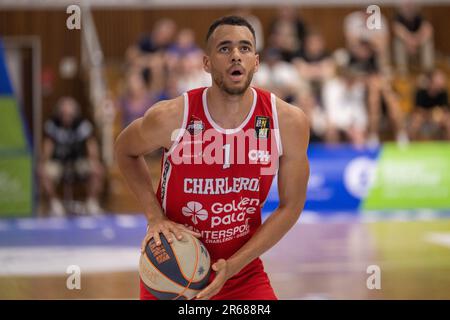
(371, 79)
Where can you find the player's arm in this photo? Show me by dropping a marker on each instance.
(293, 177)
(144, 135)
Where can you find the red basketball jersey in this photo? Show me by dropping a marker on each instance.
(216, 180)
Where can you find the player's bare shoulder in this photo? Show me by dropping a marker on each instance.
(294, 126)
(153, 130)
(162, 119)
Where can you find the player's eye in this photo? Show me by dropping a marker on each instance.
(223, 49)
(245, 48)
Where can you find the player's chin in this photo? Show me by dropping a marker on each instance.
(237, 87)
(235, 90)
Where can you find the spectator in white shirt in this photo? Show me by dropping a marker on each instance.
(345, 108)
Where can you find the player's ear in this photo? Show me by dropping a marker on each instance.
(206, 64)
(257, 62)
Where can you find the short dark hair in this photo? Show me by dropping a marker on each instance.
(232, 21)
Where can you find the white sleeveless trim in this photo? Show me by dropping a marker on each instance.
(181, 131)
(165, 172)
(219, 128)
(276, 127)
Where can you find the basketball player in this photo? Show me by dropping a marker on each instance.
(220, 201)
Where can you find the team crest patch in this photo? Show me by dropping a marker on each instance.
(262, 127)
(195, 126)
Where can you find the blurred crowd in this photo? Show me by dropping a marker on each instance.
(348, 94)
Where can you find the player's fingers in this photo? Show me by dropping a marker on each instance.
(202, 295)
(209, 291)
(167, 234)
(215, 286)
(220, 264)
(177, 231)
(157, 238)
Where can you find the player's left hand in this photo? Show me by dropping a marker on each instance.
(222, 275)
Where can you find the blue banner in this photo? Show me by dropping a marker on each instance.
(340, 178)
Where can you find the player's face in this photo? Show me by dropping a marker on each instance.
(231, 58)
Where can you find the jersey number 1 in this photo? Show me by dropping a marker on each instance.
(226, 160)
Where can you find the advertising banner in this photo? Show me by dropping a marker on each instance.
(414, 177)
(340, 178)
(15, 185)
(16, 173)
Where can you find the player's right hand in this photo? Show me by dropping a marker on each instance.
(168, 228)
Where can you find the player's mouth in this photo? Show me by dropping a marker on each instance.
(236, 73)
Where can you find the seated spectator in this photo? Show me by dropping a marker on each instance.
(431, 115)
(190, 73)
(138, 97)
(345, 108)
(317, 117)
(170, 90)
(379, 92)
(412, 35)
(152, 45)
(183, 46)
(356, 31)
(150, 53)
(314, 64)
(287, 33)
(277, 76)
(69, 144)
(362, 58)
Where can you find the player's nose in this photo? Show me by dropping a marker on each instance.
(235, 55)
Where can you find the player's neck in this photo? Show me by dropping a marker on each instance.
(226, 106)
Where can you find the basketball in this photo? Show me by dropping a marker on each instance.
(177, 270)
